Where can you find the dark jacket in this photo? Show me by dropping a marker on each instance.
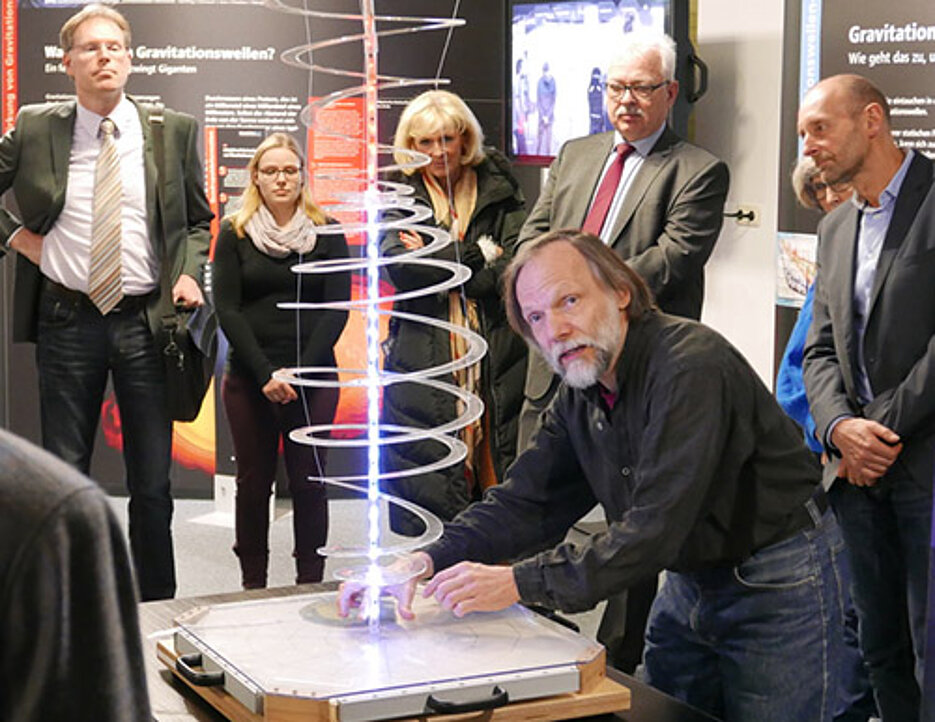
(68, 606)
(499, 214)
(899, 340)
(695, 466)
(34, 164)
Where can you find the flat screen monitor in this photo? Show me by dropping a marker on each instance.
(559, 52)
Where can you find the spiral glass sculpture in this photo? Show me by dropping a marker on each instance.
(380, 565)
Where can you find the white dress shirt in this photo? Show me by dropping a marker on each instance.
(641, 149)
(66, 247)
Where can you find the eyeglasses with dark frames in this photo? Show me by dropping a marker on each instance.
(616, 91)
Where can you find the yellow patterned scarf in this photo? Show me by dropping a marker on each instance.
(462, 311)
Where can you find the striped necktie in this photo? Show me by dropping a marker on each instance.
(105, 285)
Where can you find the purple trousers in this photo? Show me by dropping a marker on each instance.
(257, 425)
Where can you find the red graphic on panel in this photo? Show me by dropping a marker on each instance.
(9, 82)
(193, 444)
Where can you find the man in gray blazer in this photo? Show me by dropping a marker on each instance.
(869, 371)
(668, 207)
(663, 220)
(50, 161)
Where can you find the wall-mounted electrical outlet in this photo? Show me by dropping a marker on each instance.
(747, 214)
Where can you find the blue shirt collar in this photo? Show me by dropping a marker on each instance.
(888, 196)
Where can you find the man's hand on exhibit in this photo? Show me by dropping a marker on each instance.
(27, 243)
(187, 293)
(470, 587)
(353, 594)
(868, 449)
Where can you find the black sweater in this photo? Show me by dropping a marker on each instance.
(68, 609)
(695, 466)
(248, 285)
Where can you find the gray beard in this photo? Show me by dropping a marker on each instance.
(581, 374)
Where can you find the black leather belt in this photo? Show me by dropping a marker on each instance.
(128, 304)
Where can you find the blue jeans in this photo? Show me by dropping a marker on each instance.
(76, 350)
(761, 641)
(856, 702)
(887, 529)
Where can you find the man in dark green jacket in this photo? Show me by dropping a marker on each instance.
(49, 161)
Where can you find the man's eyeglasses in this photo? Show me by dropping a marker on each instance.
(616, 91)
(272, 173)
(89, 49)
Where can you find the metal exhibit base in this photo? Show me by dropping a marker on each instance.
(294, 659)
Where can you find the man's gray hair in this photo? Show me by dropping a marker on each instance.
(645, 42)
(804, 176)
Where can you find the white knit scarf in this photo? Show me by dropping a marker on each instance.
(297, 236)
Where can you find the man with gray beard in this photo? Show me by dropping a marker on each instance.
(658, 202)
(666, 426)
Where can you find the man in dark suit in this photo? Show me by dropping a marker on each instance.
(869, 371)
(663, 219)
(50, 160)
(668, 206)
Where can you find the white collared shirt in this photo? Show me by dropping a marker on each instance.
(66, 247)
(641, 149)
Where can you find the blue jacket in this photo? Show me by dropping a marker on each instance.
(790, 386)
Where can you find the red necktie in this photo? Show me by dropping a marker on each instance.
(606, 191)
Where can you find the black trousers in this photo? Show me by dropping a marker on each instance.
(77, 349)
(257, 426)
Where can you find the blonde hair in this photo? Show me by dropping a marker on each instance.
(251, 200)
(435, 111)
(66, 36)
